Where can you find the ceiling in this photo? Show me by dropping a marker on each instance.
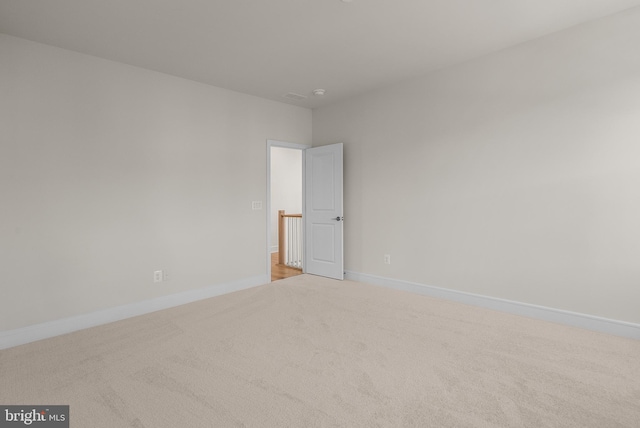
(269, 48)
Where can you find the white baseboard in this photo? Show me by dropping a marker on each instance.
(589, 322)
(49, 329)
(274, 249)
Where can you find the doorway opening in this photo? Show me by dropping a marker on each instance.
(285, 196)
(322, 231)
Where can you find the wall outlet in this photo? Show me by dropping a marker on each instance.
(387, 259)
(256, 205)
(158, 276)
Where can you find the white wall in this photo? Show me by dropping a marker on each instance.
(286, 186)
(516, 175)
(109, 172)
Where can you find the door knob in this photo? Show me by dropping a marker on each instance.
(339, 218)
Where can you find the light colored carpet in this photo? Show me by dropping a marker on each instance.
(312, 352)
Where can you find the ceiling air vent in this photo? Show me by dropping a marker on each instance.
(294, 96)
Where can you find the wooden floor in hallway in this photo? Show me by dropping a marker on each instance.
(279, 271)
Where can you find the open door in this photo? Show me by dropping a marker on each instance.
(323, 225)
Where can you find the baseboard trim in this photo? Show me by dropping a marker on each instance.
(21, 336)
(574, 319)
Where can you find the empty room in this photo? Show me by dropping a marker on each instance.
(320, 213)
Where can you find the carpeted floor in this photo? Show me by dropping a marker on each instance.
(312, 352)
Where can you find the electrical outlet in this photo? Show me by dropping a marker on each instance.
(256, 205)
(158, 276)
(387, 259)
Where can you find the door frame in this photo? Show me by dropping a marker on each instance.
(286, 145)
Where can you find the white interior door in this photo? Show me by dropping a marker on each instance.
(323, 226)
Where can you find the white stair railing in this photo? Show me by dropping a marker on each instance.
(290, 239)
